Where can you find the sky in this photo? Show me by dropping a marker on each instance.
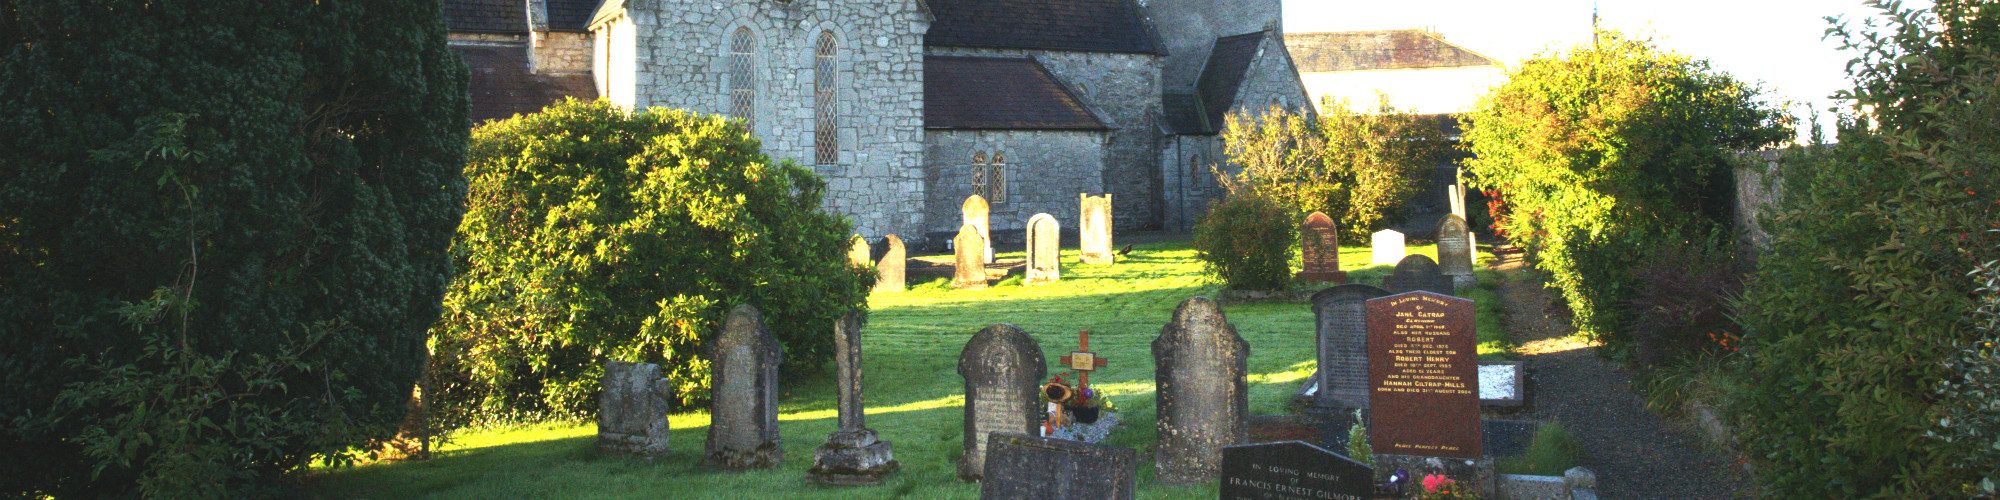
(1776, 42)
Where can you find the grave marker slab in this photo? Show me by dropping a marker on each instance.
(1319, 251)
(1201, 392)
(858, 252)
(1293, 470)
(1341, 313)
(632, 410)
(969, 271)
(1423, 376)
(890, 268)
(1454, 247)
(1386, 247)
(1044, 250)
(1002, 367)
(743, 424)
(1094, 229)
(975, 213)
(852, 455)
(1029, 467)
(1417, 272)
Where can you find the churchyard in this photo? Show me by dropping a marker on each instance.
(913, 393)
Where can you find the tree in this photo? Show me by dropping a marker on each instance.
(223, 232)
(1353, 166)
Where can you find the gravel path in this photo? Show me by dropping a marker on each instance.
(1635, 453)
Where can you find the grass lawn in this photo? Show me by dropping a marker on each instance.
(912, 389)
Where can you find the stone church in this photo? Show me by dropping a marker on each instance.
(906, 107)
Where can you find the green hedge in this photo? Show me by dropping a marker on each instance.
(597, 234)
(1246, 240)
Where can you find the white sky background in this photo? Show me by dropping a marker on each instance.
(1776, 42)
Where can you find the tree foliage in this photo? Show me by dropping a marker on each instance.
(1603, 149)
(1864, 289)
(1355, 167)
(223, 232)
(594, 234)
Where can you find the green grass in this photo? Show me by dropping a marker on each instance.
(1551, 452)
(912, 389)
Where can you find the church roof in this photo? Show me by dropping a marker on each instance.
(511, 16)
(570, 15)
(1224, 74)
(501, 85)
(999, 93)
(1067, 25)
(1369, 50)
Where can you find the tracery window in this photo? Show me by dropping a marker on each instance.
(996, 179)
(826, 143)
(743, 78)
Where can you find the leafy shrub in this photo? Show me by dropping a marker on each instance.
(594, 234)
(223, 230)
(1246, 240)
(1550, 453)
(1679, 305)
(1863, 290)
(1605, 148)
(1970, 398)
(1355, 167)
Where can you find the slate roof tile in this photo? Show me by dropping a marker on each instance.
(1066, 25)
(486, 16)
(998, 93)
(1224, 74)
(501, 86)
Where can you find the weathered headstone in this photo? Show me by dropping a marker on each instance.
(1454, 246)
(1202, 395)
(1319, 251)
(969, 269)
(1386, 247)
(1417, 272)
(1423, 376)
(1021, 466)
(852, 455)
(1002, 367)
(1044, 250)
(974, 213)
(743, 414)
(1293, 470)
(857, 252)
(1094, 229)
(1342, 317)
(632, 410)
(889, 269)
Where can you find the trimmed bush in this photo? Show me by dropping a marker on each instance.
(224, 228)
(596, 234)
(1355, 167)
(1246, 240)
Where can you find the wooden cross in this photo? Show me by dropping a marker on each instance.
(1082, 360)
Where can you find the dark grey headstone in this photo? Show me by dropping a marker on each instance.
(1454, 247)
(1342, 317)
(743, 422)
(1202, 395)
(1293, 470)
(1417, 272)
(852, 455)
(632, 410)
(1003, 369)
(1026, 467)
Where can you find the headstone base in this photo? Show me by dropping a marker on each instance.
(643, 446)
(1097, 259)
(1463, 282)
(852, 458)
(1019, 466)
(1477, 473)
(1327, 277)
(764, 457)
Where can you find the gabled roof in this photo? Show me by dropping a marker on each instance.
(1223, 75)
(1184, 115)
(570, 15)
(1067, 25)
(486, 16)
(1371, 50)
(501, 85)
(999, 93)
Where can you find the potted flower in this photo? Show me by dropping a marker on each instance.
(1088, 405)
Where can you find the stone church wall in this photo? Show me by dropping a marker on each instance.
(1046, 170)
(1187, 169)
(682, 60)
(560, 53)
(1124, 89)
(1271, 80)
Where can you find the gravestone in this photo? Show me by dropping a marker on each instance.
(1030, 467)
(1423, 376)
(857, 252)
(743, 422)
(1002, 367)
(1417, 272)
(1202, 395)
(852, 455)
(889, 268)
(1094, 229)
(1319, 251)
(1341, 313)
(974, 213)
(1454, 247)
(1044, 250)
(969, 271)
(1293, 470)
(632, 410)
(1386, 247)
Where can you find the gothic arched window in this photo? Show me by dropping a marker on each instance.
(1195, 171)
(826, 145)
(979, 167)
(996, 179)
(743, 77)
